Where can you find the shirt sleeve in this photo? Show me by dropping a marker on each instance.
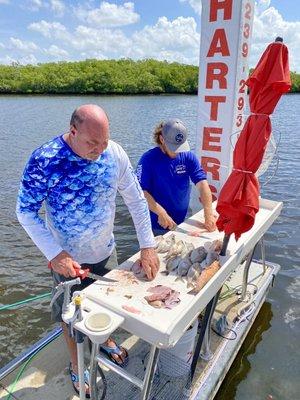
(196, 172)
(143, 173)
(134, 198)
(32, 193)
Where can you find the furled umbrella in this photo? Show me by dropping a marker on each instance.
(238, 202)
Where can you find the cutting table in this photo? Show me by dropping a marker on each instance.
(125, 304)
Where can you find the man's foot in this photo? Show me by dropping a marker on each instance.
(75, 380)
(116, 353)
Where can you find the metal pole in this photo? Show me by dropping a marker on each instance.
(205, 353)
(225, 245)
(209, 310)
(246, 273)
(93, 372)
(152, 362)
(80, 359)
(120, 371)
(263, 254)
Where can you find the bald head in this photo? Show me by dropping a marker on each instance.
(88, 112)
(89, 131)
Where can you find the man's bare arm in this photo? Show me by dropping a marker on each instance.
(164, 220)
(206, 200)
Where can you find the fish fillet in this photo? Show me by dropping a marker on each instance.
(205, 276)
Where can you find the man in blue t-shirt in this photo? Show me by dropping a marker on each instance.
(164, 173)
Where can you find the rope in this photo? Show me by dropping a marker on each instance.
(241, 170)
(18, 303)
(232, 169)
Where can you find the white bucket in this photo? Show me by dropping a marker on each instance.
(177, 360)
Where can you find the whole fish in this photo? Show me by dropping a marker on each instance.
(158, 239)
(203, 265)
(138, 270)
(190, 246)
(193, 274)
(172, 264)
(187, 249)
(182, 269)
(164, 244)
(198, 254)
(211, 257)
(205, 277)
(215, 245)
(175, 249)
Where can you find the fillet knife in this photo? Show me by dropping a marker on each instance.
(83, 273)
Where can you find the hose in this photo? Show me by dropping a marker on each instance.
(11, 388)
(18, 303)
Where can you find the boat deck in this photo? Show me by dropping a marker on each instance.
(46, 376)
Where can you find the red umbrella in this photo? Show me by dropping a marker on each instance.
(238, 202)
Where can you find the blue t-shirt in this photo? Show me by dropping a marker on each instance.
(168, 181)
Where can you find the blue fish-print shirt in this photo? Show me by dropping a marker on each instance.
(79, 197)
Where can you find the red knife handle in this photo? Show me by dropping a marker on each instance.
(81, 273)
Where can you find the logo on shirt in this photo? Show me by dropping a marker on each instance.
(179, 137)
(180, 169)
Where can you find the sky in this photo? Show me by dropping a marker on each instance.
(37, 31)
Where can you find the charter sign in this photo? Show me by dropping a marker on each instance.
(226, 28)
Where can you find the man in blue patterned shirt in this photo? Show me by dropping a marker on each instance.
(77, 176)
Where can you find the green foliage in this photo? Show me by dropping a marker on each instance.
(123, 76)
(100, 77)
(295, 82)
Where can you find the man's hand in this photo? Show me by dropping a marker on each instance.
(64, 265)
(210, 222)
(165, 221)
(150, 262)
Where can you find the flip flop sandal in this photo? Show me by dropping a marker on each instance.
(75, 379)
(119, 350)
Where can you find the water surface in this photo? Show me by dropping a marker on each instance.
(268, 362)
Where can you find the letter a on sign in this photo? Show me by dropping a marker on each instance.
(226, 28)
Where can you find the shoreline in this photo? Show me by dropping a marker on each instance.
(107, 94)
(123, 77)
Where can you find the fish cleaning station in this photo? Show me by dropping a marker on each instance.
(103, 307)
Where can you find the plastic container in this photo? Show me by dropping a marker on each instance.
(177, 360)
(97, 322)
